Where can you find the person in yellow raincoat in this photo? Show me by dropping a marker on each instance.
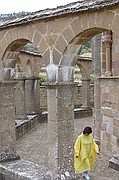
(85, 150)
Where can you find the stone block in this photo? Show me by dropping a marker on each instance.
(76, 25)
(43, 45)
(37, 37)
(114, 163)
(67, 33)
(24, 170)
(91, 19)
(61, 44)
(25, 128)
(83, 112)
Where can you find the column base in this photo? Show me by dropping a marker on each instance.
(8, 154)
(108, 73)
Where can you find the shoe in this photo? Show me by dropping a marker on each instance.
(86, 176)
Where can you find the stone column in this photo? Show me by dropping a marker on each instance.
(60, 127)
(97, 73)
(7, 122)
(103, 55)
(32, 100)
(85, 93)
(108, 42)
(20, 99)
(37, 95)
(29, 89)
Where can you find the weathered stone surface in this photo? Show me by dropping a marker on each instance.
(77, 96)
(60, 100)
(7, 122)
(60, 127)
(24, 170)
(114, 163)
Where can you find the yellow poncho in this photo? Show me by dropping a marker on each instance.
(86, 149)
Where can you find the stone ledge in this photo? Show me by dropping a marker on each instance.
(24, 126)
(27, 170)
(24, 170)
(79, 113)
(114, 163)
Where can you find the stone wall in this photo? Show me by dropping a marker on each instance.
(110, 115)
(77, 96)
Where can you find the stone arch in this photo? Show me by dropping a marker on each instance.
(10, 56)
(12, 50)
(21, 35)
(73, 49)
(85, 68)
(81, 29)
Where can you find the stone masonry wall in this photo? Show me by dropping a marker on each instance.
(110, 115)
(77, 96)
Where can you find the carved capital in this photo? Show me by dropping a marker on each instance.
(107, 40)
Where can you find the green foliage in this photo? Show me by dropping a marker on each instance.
(92, 79)
(42, 79)
(87, 48)
(85, 51)
(88, 45)
(31, 48)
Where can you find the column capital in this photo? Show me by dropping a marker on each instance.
(107, 40)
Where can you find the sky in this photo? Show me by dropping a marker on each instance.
(11, 6)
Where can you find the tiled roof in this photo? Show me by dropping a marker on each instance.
(78, 6)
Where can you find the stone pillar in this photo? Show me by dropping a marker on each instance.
(108, 42)
(7, 122)
(32, 100)
(60, 127)
(103, 55)
(20, 99)
(85, 93)
(97, 73)
(29, 89)
(37, 95)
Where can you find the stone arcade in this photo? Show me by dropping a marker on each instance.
(59, 34)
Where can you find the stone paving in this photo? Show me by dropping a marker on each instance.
(33, 147)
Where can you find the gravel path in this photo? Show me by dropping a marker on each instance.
(33, 147)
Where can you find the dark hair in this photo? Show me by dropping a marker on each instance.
(87, 130)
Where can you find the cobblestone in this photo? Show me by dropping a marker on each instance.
(33, 147)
